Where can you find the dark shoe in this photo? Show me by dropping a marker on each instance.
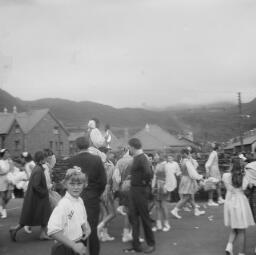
(132, 250)
(149, 249)
(13, 233)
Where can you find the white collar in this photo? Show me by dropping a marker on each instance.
(71, 198)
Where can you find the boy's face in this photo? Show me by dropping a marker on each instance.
(170, 158)
(74, 188)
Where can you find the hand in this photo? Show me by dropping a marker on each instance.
(79, 248)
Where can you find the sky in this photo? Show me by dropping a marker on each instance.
(129, 53)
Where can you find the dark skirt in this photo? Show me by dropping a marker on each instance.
(61, 249)
(251, 193)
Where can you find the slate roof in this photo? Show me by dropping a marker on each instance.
(246, 141)
(154, 137)
(6, 121)
(26, 120)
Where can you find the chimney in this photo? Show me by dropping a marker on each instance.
(14, 109)
(5, 110)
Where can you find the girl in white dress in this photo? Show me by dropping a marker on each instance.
(188, 185)
(237, 211)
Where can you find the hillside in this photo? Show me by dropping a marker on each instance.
(215, 122)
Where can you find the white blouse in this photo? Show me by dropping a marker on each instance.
(68, 217)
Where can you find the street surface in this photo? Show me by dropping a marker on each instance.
(203, 235)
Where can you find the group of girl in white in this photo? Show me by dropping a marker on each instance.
(67, 222)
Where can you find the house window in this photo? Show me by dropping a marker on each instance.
(56, 145)
(56, 130)
(16, 145)
(51, 145)
(17, 129)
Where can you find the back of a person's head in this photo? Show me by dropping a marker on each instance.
(184, 152)
(236, 172)
(83, 142)
(135, 143)
(39, 157)
(48, 152)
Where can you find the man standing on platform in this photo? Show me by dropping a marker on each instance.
(141, 176)
(93, 167)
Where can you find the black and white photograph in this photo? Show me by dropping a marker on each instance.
(127, 127)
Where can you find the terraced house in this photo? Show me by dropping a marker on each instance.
(32, 131)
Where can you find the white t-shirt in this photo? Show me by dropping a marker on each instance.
(68, 216)
(171, 169)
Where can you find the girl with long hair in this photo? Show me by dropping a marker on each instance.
(237, 211)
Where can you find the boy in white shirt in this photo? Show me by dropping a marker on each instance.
(68, 222)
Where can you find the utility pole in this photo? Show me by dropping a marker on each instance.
(240, 121)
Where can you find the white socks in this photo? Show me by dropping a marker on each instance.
(229, 248)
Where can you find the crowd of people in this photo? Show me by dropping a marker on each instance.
(136, 185)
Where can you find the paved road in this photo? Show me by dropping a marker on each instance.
(192, 235)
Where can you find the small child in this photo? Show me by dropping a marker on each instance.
(68, 222)
(237, 212)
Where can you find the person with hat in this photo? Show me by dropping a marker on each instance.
(4, 169)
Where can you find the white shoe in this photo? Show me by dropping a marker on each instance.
(221, 201)
(166, 227)
(27, 229)
(120, 209)
(197, 205)
(211, 203)
(229, 249)
(174, 212)
(106, 237)
(156, 228)
(198, 212)
(127, 237)
(4, 214)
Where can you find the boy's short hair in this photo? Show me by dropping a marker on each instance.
(75, 174)
(83, 142)
(135, 143)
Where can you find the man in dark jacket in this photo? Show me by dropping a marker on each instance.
(141, 175)
(92, 166)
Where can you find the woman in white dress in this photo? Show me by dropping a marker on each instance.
(212, 170)
(237, 212)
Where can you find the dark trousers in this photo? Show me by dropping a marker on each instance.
(92, 205)
(61, 249)
(138, 209)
